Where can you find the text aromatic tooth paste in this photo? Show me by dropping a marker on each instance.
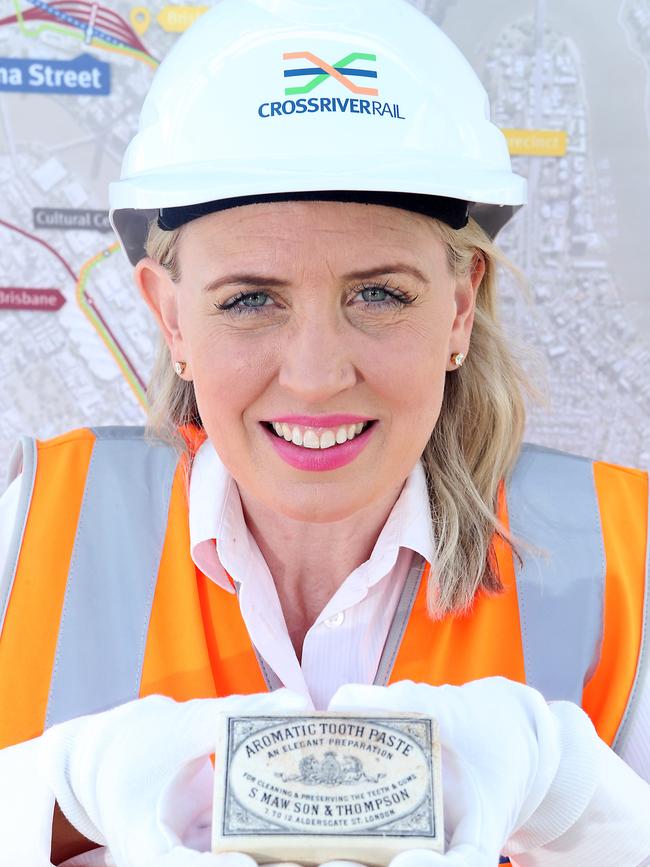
(328, 786)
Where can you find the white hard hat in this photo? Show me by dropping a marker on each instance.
(263, 97)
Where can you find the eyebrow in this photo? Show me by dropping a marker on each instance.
(261, 281)
(394, 268)
(243, 280)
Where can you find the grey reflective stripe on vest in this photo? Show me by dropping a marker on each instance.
(113, 572)
(553, 508)
(400, 621)
(27, 478)
(271, 679)
(642, 676)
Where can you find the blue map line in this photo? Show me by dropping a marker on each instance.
(77, 22)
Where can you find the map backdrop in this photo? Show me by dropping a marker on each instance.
(568, 80)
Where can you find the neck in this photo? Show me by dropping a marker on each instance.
(310, 561)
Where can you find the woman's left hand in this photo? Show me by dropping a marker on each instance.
(507, 757)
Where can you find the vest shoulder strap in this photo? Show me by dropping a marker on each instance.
(553, 599)
(115, 556)
(119, 541)
(582, 582)
(554, 519)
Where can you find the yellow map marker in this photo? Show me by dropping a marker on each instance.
(176, 19)
(140, 19)
(536, 142)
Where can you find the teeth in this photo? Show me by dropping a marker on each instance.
(309, 438)
(342, 435)
(327, 439)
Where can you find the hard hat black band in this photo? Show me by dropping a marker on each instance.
(453, 212)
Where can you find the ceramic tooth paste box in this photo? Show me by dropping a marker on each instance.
(327, 786)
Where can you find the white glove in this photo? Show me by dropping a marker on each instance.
(517, 773)
(136, 777)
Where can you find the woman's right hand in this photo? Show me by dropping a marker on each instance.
(136, 777)
(519, 776)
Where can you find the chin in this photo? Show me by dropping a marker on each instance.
(319, 509)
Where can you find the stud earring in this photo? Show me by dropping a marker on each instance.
(458, 359)
(179, 367)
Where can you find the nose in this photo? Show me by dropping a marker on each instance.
(317, 361)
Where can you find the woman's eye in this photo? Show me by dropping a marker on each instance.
(245, 302)
(375, 293)
(382, 296)
(254, 299)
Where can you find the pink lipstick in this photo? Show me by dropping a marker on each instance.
(320, 460)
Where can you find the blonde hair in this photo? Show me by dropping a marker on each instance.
(472, 448)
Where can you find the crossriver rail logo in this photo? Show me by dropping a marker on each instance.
(319, 72)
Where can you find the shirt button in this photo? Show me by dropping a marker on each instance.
(335, 620)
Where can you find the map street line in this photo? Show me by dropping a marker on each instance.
(91, 311)
(43, 243)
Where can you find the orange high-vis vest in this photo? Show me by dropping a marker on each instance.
(101, 601)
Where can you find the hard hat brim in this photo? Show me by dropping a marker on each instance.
(136, 201)
(211, 182)
(453, 212)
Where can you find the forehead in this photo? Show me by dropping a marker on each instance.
(291, 234)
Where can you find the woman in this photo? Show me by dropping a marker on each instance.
(337, 386)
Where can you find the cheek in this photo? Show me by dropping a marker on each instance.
(409, 371)
(229, 376)
(416, 405)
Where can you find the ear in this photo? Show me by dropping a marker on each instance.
(465, 297)
(161, 296)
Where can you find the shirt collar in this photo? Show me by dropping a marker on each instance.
(221, 542)
(214, 509)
